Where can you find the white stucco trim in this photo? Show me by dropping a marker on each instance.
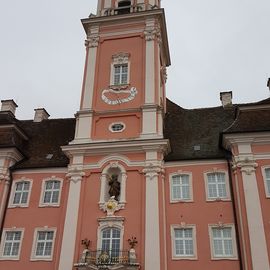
(152, 229)
(171, 164)
(90, 71)
(40, 171)
(70, 227)
(258, 245)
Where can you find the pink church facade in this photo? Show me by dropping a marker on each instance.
(135, 181)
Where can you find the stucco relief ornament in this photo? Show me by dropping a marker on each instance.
(117, 93)
(152, 33)
(111, 206)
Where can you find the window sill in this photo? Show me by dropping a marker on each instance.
(184, 258)
(41, 259)
(18, 206)
(182, 201)
(49, 205)
(224, 258)
(218, 199)
(2, 258)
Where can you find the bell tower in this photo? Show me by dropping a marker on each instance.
(119, 131)
(123, 93)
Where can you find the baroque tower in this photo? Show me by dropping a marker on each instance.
(119, 134)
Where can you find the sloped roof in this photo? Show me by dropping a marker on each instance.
(193, 134)
(46, 138)
(190, 129)
(251, 121)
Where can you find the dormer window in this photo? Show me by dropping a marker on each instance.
(124, 7)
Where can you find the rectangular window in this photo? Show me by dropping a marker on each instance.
(180, 187)
(43, 245)
(21, 192)
(120, 74)
(10, 248)
(216, 185)
(223, 242)
(267, 181)
(51, 192)
(184, 243)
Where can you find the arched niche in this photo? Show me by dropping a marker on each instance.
(113, 168)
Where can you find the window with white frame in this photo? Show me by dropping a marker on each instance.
(120, 69)
(267, 181)
(51, 191)
(180, 187)
(43, 244)
(120, 74)
(11, 244)
(20, 193)
(223, 243)
(110, 241)
(217, 186)
(183, 242)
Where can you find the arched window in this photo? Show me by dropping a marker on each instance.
(110, 242)
(124, 7)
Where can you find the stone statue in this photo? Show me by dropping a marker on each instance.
(114, 186)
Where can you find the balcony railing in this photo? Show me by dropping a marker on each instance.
(105, 258)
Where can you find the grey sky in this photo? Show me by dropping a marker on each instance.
(215, 46)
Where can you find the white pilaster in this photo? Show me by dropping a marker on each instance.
(150, 37)
(91, 44)
(103, 180)
(152, 229)
(83, 127)
(69, 236)
(247, 165)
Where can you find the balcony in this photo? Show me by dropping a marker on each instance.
(101, 259)
(127, 9)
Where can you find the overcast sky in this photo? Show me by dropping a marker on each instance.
(215, 45)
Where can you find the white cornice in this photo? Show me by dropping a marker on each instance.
(160, 145)
(45, 170)
(11, 153)
(246, 138)
(171, 164)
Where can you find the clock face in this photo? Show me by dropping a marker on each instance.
(114, 97)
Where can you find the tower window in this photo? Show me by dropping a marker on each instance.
(123, 7)
(120, 69)
(120, 74)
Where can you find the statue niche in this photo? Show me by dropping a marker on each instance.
(114, 187)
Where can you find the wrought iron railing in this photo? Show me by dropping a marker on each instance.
(107, 257)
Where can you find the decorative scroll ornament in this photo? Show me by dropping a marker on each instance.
(92, 41)
(75, 173)
(111, 206)
(120, 58)
(152, 33)
(151, 171)
(246, 164)
(117, 100)
(164, 74)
